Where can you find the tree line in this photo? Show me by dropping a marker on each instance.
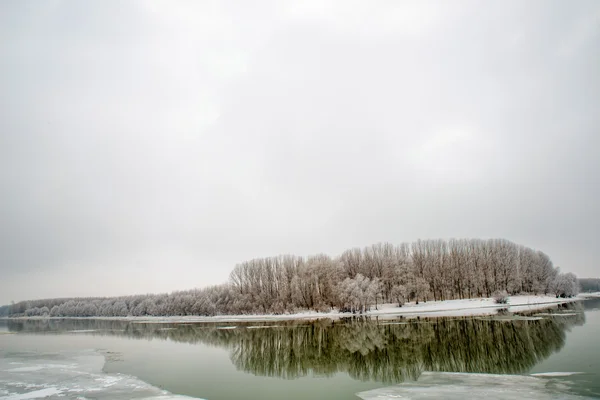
(355, 281)
(589, 284)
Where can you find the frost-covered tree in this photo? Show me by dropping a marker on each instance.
(420, 289)
(357, 279)
(565, 285)
(400, 294)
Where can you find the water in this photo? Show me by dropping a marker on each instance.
(330, 359)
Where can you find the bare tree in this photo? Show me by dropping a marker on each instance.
(356, 280)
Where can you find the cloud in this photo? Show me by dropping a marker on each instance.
(159, 143)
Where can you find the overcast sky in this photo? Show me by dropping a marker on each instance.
(149, 146)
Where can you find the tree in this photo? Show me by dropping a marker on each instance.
(565, 285)
(374, 291)
(420, 289)
(400, 294)
(356, 280)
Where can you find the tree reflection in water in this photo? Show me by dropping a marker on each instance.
(367, 349)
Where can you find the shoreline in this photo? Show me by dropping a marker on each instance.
(445, 308)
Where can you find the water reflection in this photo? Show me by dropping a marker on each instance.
(367, 349)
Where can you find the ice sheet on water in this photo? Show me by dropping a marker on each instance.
(557, 314)
(74, 375)
(462, 386)
(25, 369)
(264, 326)
(556, 373)
(36, 394)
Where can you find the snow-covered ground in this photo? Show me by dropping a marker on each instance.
(73, 375)
(590, 294)
(466, 307)
(459, 386)
(450, 308)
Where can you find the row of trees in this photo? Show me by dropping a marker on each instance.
(590, 285)
(355, 281)
(4, 311)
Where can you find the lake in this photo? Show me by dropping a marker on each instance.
(326, 358)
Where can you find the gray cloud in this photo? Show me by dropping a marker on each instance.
(149, 146)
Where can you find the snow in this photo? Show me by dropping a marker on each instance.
(592, 294)
(453, 308)
(75, 375)
(466, 307)
(446, 308)
(445, 385)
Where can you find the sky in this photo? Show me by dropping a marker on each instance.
(149, 146)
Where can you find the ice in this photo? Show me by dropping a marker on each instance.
(25, 369)
(558, 314)
(264, 326)
(459, 386)
(556, 373)
(38, 367)
(74, 375)
(36, 394)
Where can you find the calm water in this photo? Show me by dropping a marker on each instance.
(326, 359)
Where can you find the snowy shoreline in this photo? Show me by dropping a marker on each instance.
(446, 308)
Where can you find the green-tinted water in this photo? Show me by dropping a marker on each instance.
(327, 359)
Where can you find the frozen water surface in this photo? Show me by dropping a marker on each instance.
(459, 386)
(556, 373)
(71, 375)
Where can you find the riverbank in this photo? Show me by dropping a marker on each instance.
(446, 308)
(590, 295)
